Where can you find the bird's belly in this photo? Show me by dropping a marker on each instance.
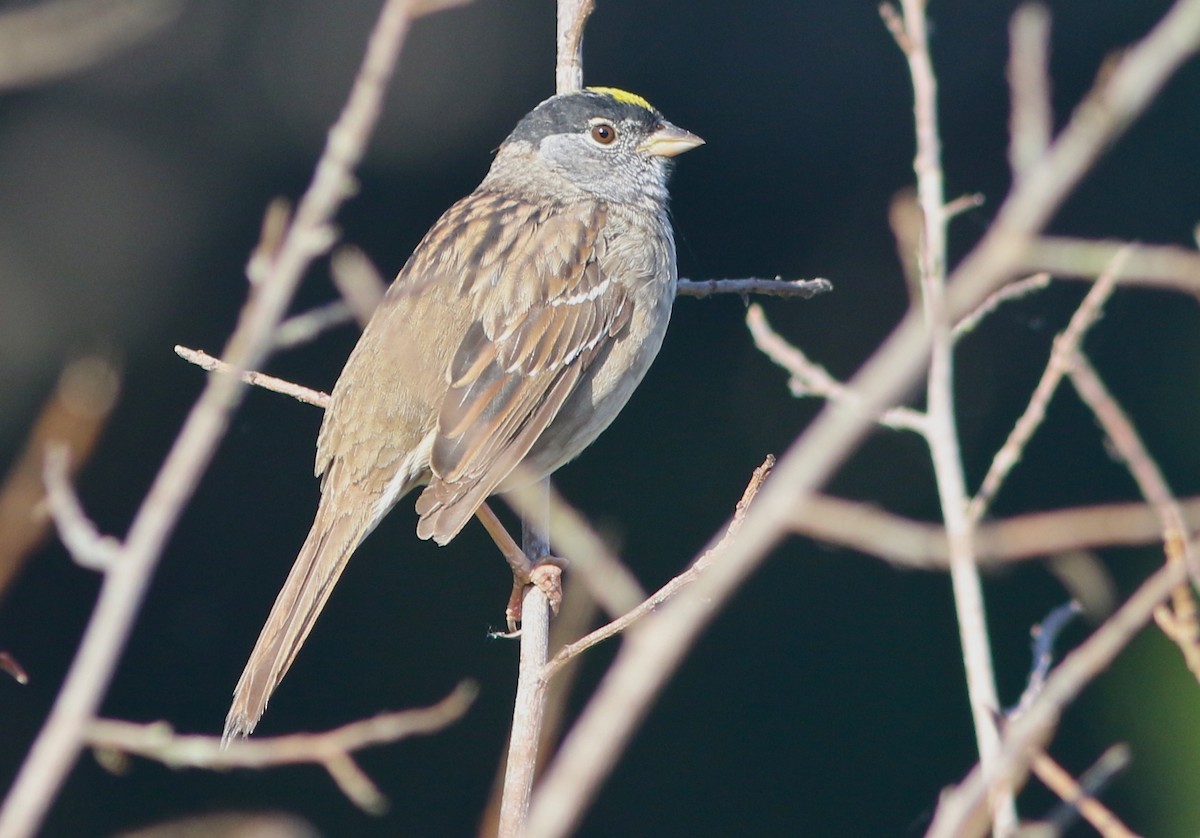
(597, 401)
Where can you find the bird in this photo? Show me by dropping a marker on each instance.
(514, 334)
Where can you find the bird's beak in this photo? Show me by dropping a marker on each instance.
(669, 140)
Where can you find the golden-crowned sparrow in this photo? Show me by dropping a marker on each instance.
(514, 334)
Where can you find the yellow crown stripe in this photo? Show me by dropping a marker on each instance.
(623, 96)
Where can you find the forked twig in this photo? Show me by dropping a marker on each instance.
(1031, 419)
(332, 749)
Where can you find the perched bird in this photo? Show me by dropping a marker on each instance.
(514, 334)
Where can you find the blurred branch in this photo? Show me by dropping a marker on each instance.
(331, 749)
(1031, 123)
(275, 270)
(1155, 266)
(918, 545)
(74, 416)
(56, 38)
(1076, 796)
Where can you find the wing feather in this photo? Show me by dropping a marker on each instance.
(535, 333)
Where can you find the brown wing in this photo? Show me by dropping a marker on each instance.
(540, 319)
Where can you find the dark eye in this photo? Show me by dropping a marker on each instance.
(603, 133)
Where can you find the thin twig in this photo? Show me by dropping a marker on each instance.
(57, 745)
(1181, 622)
(1013, 291)
(961, 204)
(74, 416)
(529, 708)
(332, 748)
(777, 287)
(87, 546)
(572, 650)
(1058, 780)
(812, 379)
(257, 379)
(1031, 419)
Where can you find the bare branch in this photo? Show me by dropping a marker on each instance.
(83, 541)
(1154, 266)
(918, 545)
(1031, 419)
(10, 665)
(74, 416)
(811, 379)
(529, 710)
(1014, 291)
(777, 287)
(572, 650)
(302, 328)
(257, 379)
(1182, 625)
(572, 18)
(1056, 778)
(331, 749)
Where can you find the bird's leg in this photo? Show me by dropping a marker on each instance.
(546, 573)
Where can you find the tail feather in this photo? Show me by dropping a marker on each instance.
(320, 562)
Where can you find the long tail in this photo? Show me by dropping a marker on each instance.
(322, 559)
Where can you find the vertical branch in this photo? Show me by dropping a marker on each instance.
(941, 431)
(572, 18)
(530, 704)
(274, 272)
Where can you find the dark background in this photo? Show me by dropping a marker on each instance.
(829, 697)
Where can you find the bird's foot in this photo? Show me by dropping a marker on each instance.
(546, 576)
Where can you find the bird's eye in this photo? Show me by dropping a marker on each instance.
(603, 133)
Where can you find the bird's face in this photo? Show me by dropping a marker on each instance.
(605, 142)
